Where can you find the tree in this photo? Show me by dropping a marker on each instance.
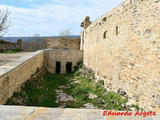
(4, 23)
(65, 33)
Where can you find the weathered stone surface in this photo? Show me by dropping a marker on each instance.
(14, 73)
(7, 58)
(63, 43)
(63, 56)
(122, 92)
(89, 106)
(63, 98)
(92, 96)
(124, 47)
(7, 45)
(38, 113)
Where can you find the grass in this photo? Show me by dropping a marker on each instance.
(41, 91)
(104, 99)
(10, 51)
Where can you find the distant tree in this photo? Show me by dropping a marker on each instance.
(65, 33)
(4, 21)
(36, 41)
(4, 24)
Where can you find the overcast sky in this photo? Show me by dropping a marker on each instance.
(49, 17)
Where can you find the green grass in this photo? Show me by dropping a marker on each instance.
(81, 91)
(42, 92)
(12, 51)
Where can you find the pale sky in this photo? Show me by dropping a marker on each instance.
(49, 17)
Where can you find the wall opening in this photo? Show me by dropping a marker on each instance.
(58, 67)
(69, 67)
(116, 30)
(104, 35)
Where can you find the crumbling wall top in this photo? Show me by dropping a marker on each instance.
(86, 22)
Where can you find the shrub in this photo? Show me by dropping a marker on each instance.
(78, 66)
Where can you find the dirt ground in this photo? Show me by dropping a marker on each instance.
(5, 58)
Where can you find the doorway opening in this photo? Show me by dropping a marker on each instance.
(58, 67)
(69, 67)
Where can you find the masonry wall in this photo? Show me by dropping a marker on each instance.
(31, 44)
(63, 43)
(5, 45)
(123, 48)
(63, 56)
(13, 74)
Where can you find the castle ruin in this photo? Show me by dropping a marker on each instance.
(123, 48)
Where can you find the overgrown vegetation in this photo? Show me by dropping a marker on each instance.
(41, 91)
(104, 99)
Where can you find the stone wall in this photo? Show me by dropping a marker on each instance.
(30, 44)
(63, 56)
(123, 48)
(13, 74)
(6, 45)
(63, 43)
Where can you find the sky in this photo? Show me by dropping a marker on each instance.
(49, 17)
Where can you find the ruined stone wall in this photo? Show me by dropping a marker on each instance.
(123, 48)
(6, 45)
(63, 43)
(63, 56)
(13, 74)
